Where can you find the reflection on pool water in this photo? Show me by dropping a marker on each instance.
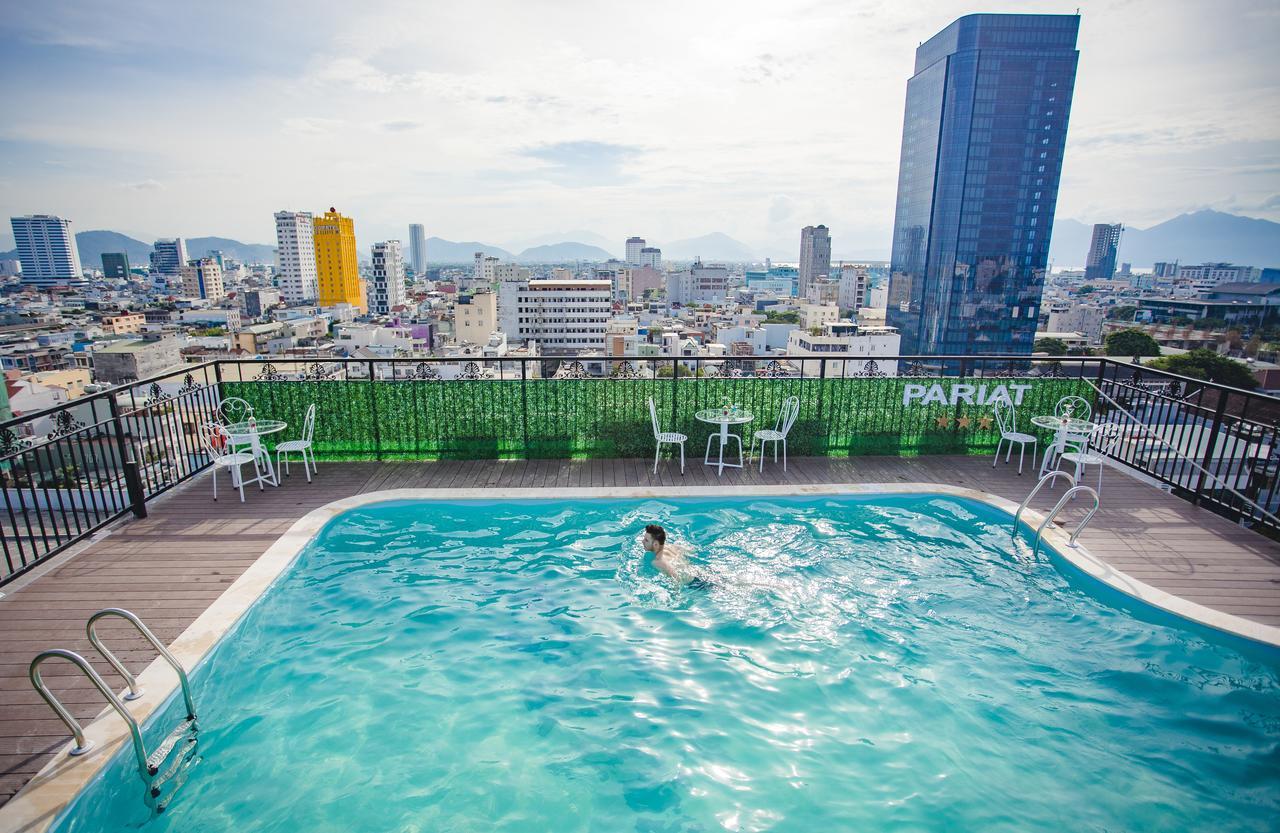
(859, 664)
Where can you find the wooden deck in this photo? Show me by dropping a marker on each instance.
(169, 567)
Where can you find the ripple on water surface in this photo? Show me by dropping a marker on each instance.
(854, 665)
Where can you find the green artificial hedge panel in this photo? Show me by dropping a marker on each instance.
(600, 418)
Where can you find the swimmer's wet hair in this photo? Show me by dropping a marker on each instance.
(657, 533)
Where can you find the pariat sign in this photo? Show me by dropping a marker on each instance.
(955, 393)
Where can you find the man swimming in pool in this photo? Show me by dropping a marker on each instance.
(671, 560)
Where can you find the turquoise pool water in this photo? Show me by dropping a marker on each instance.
(858, 665)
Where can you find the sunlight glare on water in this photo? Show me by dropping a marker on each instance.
(854, 664)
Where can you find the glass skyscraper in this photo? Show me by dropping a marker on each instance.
(982, 140)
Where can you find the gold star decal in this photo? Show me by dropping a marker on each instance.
(984, 423)
(963, 422)
(944, 422)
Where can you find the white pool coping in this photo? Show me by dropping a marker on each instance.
(38, 804)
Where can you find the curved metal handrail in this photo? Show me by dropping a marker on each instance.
(134, 691)
(82, 745)
(1034, 490)
(1058, 507)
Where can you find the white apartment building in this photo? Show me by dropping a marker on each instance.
(634, 246)
(484, 272)
(1207, 276)
(511, 280)
(854, 283)
(564, 317)
(1067, 317)
(386, 284)
(650, 257)
(385, 342)
(842, 339)
(698, 284)
(202, 279)
(296, 257)
(814, 316)
(475, 317)
(46, 249)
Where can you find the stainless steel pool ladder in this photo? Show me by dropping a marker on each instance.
(148, 766)
(1053, 513)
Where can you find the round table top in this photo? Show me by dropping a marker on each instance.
(717, 416)
(263, 426)
(1060, 423)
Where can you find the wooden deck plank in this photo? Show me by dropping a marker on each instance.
(170, 566)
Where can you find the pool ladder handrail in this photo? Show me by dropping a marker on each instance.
(84, 745)
(1053, 513)
(134, 691)
(147, 767)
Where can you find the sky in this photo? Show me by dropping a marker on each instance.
(517, 121)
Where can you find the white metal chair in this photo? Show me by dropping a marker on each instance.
(301, 446)
(1007, 422)
(664, 438)
(233, 409)
(1102, 441)
(1075, 407)
(778, 434)
(217, 442)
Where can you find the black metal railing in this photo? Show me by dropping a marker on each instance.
(70, 470)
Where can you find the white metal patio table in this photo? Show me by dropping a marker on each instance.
(250, 433)
(724, 417)
(1062, 426)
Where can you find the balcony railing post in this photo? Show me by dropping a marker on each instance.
(822, 384)
(1207, 460)
(524, 405)
(675, 377)
(373, 410)
(129, 465)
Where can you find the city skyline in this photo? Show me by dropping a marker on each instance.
(512, 152)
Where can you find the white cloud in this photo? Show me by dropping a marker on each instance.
(485, 120)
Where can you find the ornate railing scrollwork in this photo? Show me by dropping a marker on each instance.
(775, 370)
(271, 374)
(625, 370)
(471, 372)
(914, 368)
(188, 385)
(155, 395)
(63, 424)
(871, 369)
(11, 443)
(571, 370)
(425, 372)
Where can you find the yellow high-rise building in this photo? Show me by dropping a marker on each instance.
(337, 269)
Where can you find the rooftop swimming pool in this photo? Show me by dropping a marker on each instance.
(877, 663)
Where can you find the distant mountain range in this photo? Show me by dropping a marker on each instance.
(93, 243)
(1188, 238)
(440, 251)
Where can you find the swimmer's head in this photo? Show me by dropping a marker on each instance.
(655, 538)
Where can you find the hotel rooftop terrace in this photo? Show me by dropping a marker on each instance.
(109, 504)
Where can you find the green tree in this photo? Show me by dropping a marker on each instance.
(1206, 364)
(1123, 312)
(1052, 346)
(1087, 289)
(1131, 342)
(789, 317)
(1210, 323)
